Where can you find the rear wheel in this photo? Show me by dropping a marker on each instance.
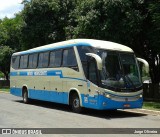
(25, 96)
(76, 103)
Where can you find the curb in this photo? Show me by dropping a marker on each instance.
(144, 111)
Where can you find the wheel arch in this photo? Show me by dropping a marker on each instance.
(23, 88)
(71, 92)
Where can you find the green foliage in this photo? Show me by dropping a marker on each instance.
(10, 32)
(108, 20)
(133, 23)
(154, 34)
(5, 56)
(1, 75)
(44, 22)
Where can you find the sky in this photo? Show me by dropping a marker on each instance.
(9, 7)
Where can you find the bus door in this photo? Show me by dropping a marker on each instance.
(92, 81)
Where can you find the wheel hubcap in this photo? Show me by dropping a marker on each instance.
(76, 103)
(25, 97)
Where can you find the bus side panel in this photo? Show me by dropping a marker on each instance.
(16, 91)
(53, 96)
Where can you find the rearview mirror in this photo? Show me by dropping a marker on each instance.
(97, 58)
(145, 64)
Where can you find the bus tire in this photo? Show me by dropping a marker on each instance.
(25, 96)
(76, 103)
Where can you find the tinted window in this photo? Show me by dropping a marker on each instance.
(33, 61)
(43, 60)
(30, 61)
(82, 50)
(69, 58)
(55, 58)
(24, 61)
(92, 71)
(15, 62)
(40, 61)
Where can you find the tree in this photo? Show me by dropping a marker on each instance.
(45, 21)
(108, 20)
(5, 57)
(10, 30)
(151, 37)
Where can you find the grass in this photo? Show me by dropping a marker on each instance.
(5, 89)
(151, 105)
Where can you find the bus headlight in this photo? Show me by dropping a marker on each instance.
(141, 96)
(107, 95)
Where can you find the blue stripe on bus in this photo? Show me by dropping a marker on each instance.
(52, 96)
(99, 102)
(41, 73)
(54, 48)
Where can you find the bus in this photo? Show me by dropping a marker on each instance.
(83, 73)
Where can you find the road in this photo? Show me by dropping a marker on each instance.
(38, 114)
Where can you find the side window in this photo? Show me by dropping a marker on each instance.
(33, 60)
(30, 62)
(40, 60)
(69, 58)
(43, 60)
(15, 62)
(24, 61)
(92, 71)
(82, 50)
(55, 58)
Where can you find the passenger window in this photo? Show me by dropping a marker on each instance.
(24, 61)
(33, 60)
(30, 61)
(40, 60)
(69, 58)
(55, 58)
(15, 62)
(45, 59)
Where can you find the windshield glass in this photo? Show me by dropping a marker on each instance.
(120, 70)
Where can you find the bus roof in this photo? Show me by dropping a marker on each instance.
(75, 42)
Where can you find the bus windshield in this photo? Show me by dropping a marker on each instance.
(119, 70)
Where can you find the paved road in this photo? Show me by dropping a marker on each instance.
(15, 114)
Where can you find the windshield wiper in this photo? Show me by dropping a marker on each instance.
(125, 77)
(129, 79)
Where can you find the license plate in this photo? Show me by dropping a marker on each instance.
(126, 105)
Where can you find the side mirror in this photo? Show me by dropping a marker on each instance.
(97, 58)
(145, 64)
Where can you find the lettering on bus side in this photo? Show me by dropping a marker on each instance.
(30, 73)
(40, 73)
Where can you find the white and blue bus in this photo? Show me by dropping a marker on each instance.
(82, 73)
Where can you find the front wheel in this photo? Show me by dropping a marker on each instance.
(25, 96)
(76, 103)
